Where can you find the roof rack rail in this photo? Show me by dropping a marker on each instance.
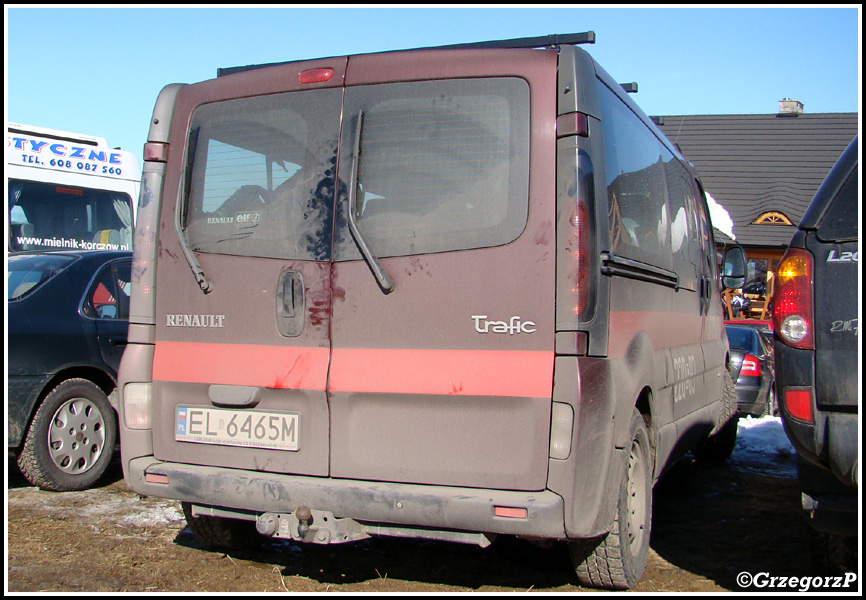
(546, 41)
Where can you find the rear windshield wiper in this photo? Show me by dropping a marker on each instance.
(197, 271)
(385, 282)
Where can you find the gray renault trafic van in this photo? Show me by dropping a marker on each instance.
(446, 293)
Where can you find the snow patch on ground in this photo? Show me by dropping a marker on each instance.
(763, 447)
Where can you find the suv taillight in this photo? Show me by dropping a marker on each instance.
(793, 317)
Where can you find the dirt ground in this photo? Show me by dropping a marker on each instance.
(710, 524)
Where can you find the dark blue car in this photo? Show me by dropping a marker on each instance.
(68, 319)
(752, 367)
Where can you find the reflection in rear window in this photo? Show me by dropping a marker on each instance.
(841, 221)
(28, 272)
(740, 338)
(262, 177)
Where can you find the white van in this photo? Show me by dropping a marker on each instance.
(68, 190)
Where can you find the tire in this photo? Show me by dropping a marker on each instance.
(719, 446)
(71, 440)
(770, 406)
(221, 532)
(617, 561)
(833, 554)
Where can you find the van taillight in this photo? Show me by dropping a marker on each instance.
(793, 317)
(751, 366)
(580, 248)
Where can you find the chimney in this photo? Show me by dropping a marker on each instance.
(790, 107)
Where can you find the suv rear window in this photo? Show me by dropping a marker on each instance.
(841, 220)
(27, 272)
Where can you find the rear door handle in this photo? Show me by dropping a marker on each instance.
(290, 303)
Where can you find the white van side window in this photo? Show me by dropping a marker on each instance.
(685, 240)
(636, 165)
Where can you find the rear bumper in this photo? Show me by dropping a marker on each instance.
(750, 400)
(439, 507)
(831, 504)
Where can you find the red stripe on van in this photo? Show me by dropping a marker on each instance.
(440, 372)
(242, 364)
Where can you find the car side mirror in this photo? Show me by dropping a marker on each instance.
(734, 268)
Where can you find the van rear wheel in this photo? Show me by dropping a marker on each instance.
(617, 561)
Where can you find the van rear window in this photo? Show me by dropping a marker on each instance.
(261, 182)
(443, 165)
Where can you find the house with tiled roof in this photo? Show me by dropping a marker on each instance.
(763, 169)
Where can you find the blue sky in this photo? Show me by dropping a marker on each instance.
(99, 70)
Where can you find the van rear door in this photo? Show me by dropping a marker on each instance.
(240, 371)
(442, 324)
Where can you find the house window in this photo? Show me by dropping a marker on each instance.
(772, 218)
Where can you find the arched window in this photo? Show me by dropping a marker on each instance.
(772, 217)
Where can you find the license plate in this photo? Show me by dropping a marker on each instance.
(249, 428)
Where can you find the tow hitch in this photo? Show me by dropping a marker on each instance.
(311, 526)
(321, 527)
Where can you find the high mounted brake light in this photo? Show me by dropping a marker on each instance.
(792, 300)
(315, 75)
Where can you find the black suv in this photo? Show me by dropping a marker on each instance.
(815, 317)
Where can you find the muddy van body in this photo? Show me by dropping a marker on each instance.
(446, 293)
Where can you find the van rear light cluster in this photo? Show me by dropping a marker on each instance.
(581, 251)
(792, 300)
(137, 402)
(561, 430)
